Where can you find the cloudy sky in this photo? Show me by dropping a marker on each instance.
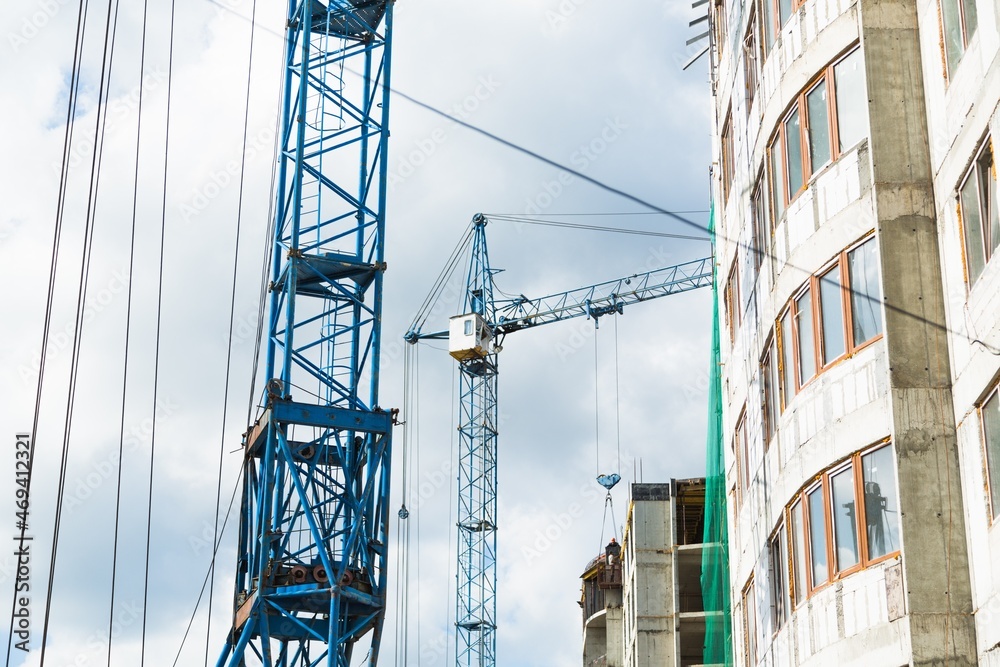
(555, 76)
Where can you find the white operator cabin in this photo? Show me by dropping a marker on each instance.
(469, 337)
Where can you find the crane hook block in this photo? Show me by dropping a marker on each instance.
(609, 481)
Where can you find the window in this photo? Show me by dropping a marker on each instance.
(843, 513)
(742, 453)
(768, 392)
(852, 98)
(787, 358)
(732, 298)
(727, 156)
(825, 520)
(758, 217)
(881, 502)
(959, 21)
(775, 15)
(819, 573)
(797, 526)
(719, 24)
(866, 293)
(990, 414)
(821, 324)
(751, 62)
(805, 340)
(831, 306)
(778, 557)
(810, 134)
(777, 180)
(749, 625)
(978, 211)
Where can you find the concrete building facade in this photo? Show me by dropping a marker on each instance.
(644, 607)
(856, 194)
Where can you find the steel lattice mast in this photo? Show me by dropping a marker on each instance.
(475, 617)
(311, 576)
(473, 338)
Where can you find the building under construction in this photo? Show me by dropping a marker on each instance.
(856, 220)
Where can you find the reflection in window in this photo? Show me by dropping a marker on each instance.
(980, 218)
(852, 100)
(819, 126)
(798, 551)
(881, 502)
(793, 150)
(832, 311)
(866, 292)
(804, 326)
(817, 537)
(991, 437)
(845, 530)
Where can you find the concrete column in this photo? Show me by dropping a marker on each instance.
(935, 557)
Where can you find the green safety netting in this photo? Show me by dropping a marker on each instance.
(715, 557)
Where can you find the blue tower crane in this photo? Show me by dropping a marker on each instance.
(312, 549)
(474, 339)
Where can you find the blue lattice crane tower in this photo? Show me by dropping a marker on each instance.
(311, 576)
(474, 339)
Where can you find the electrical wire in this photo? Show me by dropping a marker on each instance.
(595, 228)
(159, 329)
(81, 22)
(216, 539)
(437, 289)
(82, 291)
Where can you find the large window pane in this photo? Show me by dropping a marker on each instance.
(819, 126)
(817, 537)
(787, 360)
(779, 588)
(852, 100)
(777, 180)
(804, 324)
(845, 528)
(878, 471)
(767, 18)
(798, 552)
(953, 43)
(768, 390)
(971, 19)
(991, 431)
(784, 11)
(866, 292)
(972, 225)
(988, 198)
(831, 301)
(793, 153)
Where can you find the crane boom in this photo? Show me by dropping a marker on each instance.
(471, 337)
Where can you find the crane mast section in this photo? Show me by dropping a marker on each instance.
(312, 552)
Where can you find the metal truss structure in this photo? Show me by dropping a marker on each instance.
(477, 476)
(312, 552)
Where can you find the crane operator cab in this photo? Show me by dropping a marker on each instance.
(469, 337)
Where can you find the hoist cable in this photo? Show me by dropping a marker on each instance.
(81, 296)
(618, 406)
(159, 329)
(216, 537)
(597, 404)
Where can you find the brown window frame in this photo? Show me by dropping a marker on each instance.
(779, 139)
(751, 58)
(992, 511)
(750, 632)
(726, 157)
(984, 212)
(779, 563)
(770, 403)
(732, 298)
(812, 285)
(801, 497)
(740, 446)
